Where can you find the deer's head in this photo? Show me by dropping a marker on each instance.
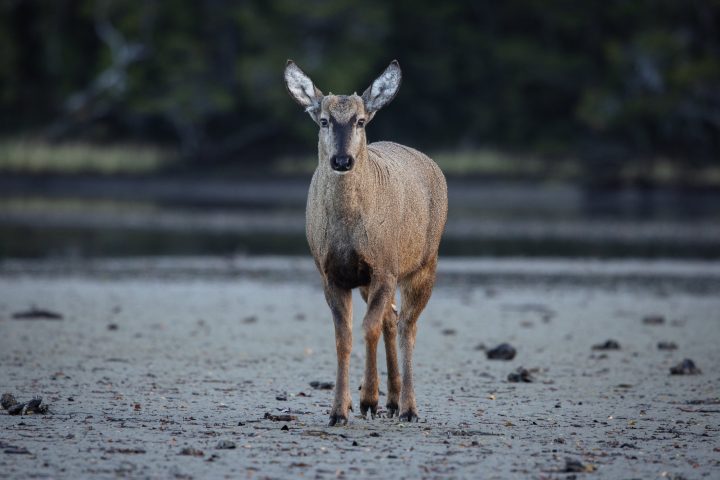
(342, 118)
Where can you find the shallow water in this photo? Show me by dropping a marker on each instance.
(125, 218)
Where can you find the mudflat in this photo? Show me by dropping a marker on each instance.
(203, 368)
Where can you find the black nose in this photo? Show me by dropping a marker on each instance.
(341, 163)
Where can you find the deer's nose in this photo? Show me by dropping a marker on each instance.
(341, 163)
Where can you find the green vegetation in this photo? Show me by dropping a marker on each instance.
(592, 89)
(37, 156)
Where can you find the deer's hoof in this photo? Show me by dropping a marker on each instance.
(409, 416)
(392, 409)
(337, 419)
(365, 406)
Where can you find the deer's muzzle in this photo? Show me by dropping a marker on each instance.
(342, 163)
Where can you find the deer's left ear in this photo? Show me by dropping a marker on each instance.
(383, 89)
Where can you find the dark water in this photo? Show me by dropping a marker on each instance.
(121, 219)
(59, 242)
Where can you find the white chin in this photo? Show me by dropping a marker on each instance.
(336, 172)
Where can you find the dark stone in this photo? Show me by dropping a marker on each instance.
(7, 401)
(34, 406)
(607, 345)
(521, 375)
(37, 314)
(322, 385)
(654, 320)
(192, 452)
(686, 367)
(504, 351)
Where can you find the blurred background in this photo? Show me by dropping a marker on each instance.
(565, 128)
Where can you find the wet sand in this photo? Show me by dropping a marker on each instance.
(153, 357)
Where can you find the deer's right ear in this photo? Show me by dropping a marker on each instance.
(302, 89)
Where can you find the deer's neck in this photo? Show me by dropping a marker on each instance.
(345, 196)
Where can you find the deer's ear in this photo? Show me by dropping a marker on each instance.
(383, 89)
(302, 89)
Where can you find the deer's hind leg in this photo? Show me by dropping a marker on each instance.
(390, 324)
(415, 291)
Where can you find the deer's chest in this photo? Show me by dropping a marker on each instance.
(342, 250)
(345, 267)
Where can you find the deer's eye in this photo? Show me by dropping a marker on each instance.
(323, 122)
(361, 123)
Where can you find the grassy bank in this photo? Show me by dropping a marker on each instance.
(32, 156)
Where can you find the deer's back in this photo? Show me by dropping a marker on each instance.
(420, 185)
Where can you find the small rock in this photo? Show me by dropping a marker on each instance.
(575, 466)
(285, 428)
(607, 345)
(282, 397)
(13, 450)
(279, 418)
(126, 451)
(504, 351)
(667, 346)
(37, 314)
(322, 385)
(28, 408)
(521, 375)
(686, 367)
(7, 401)
(653, 320)
(250, 319)
(112, 326)
(225, 445)
(448, 331)
(193, 452)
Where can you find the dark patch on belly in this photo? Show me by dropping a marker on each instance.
(346, 269)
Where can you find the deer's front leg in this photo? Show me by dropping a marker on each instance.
(340, 302)
(380, 294)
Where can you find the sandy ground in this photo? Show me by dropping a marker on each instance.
(150, 359)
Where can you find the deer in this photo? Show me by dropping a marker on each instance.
(374, 218)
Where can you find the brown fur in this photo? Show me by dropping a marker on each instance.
(376, 227)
